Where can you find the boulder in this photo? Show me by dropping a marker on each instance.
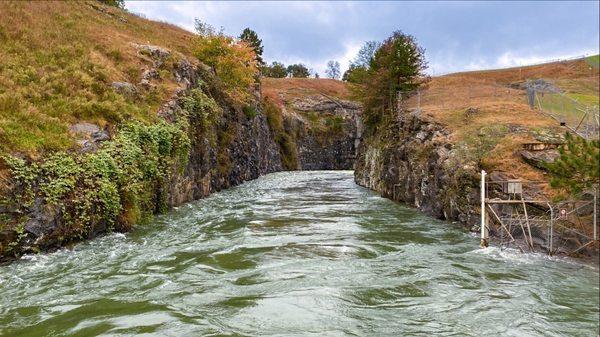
(124, 88)
(539, 159)
(156, 53)
(84, 128)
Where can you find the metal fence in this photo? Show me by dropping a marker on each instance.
(458, 98)
(519, 216)
(583, 119)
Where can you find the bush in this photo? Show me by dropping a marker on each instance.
(107, 186)
(234, 62)
(250, 111)
(287, 144)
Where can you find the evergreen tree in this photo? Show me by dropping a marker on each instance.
(397, 65)
(250, 37)
(578, 166)
(298, 70)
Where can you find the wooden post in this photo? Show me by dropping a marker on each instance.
(484, 231)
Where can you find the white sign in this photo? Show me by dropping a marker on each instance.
(563, 213)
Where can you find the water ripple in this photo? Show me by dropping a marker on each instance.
(296, 254)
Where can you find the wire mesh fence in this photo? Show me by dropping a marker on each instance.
(580, 118)
(457, 98)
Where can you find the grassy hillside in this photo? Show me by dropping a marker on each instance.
(488, 110)
(58, 62)
(289, 88)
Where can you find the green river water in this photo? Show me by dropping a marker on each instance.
(296, 254)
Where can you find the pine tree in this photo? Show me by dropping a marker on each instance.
(250, 37)
(578, 166)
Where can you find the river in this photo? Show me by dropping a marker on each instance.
(296, 254)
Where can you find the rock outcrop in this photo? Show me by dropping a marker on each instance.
(229, 150)
(413, 161)
(327, 132)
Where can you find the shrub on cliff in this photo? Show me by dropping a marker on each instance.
(285, 141)
(115, 187)
(233, 61)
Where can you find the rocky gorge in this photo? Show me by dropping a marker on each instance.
(227, 146)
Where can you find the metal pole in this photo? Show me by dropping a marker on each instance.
(484, 236)
(595, 213)
(551, 229)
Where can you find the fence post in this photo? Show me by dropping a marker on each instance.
(595, 213)
(551, 233)
(484, 234)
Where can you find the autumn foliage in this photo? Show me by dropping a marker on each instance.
(232, 60)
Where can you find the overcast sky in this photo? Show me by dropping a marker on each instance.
(456, 35)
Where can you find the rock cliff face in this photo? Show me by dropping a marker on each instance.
(249, 152)
(327, 132)
(412, 160)
(224, 152)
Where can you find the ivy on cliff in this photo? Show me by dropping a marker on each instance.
(114, 187)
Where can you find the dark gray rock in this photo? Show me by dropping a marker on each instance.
(540, 159)
(158, 54)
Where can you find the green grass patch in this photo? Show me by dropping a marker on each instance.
(593, 60)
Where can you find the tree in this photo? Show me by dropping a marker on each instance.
(360, 64)
(251, 38)
(333, 69)
(397, 65)
(234, 62)
(366, 53)
(114, 3)
(355, 74)
(276, 70)
(578, 166)
(298, 70)
(206, 30)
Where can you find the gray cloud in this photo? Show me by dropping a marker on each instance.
(456, 35)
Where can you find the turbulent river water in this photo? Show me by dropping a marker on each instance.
(296, 254)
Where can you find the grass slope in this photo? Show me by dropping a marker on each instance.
(58, 62)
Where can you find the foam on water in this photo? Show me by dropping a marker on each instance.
(296, 253)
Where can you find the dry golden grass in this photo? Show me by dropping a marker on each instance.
(58, 60)
(447, 98)
(288, 88)
(574, 69)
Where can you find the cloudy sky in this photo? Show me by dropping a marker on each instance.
(456, 35)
